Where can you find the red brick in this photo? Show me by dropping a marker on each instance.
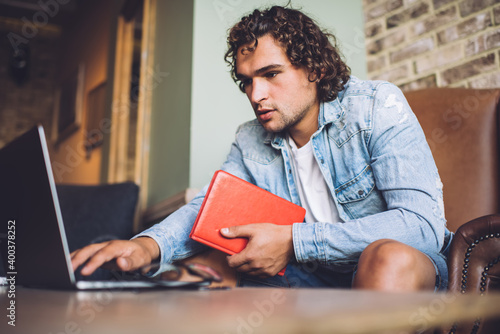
(440, 3)
(416, 48)
(441, 18)
(488, 80)
(439, 57)
(373, 29)
(465, 28)
(408, 14)
(468, 7)
(376, 64)
(487, 41)
(383, 8)
(393, 74)
(420, 83)
(469, 69)
(386, 42)
(496, 14)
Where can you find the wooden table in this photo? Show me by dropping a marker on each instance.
(241, 310)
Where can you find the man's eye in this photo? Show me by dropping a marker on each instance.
(271, 74)
(246, 82)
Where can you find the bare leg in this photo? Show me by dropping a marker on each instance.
(389, 265)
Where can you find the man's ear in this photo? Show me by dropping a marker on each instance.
(313, 76)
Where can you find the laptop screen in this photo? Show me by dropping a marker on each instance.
(33, 245)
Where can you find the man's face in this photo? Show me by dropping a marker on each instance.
(281, 95)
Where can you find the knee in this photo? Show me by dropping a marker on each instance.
(385, 265)
(390, 265)
(387, 255)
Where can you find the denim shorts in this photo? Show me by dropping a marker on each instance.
(304, 275)
(311, 275)
(439, 261)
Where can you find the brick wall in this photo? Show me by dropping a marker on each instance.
(22, 106)
(427, 43)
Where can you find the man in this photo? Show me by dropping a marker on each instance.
(350, 151)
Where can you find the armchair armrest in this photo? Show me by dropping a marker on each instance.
(474, 256)
(473, 265)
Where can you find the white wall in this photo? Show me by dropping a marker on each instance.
(218, 106)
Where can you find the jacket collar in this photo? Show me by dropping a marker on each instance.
(329, 112)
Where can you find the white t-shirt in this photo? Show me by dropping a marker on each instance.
(313, 190)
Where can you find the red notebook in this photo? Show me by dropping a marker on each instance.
(231, 201)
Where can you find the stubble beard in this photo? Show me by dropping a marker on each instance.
(285, 120)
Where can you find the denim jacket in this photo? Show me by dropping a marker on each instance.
(376, 162)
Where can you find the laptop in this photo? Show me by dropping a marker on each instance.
(33, 243)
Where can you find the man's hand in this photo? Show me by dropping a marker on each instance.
(129, 255)
(269, 248)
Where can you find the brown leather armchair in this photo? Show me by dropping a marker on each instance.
(462, 129)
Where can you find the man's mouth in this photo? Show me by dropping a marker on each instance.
(264, 110)
(264, 114)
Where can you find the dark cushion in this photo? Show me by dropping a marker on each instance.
(93, 214)
(96, 213)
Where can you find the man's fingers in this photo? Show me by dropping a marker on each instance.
(123, 263)
(245, 231)
(236, 261)
(241, 262)
(248, 267)
(80, 256)
(269, 248)
(129, 255)
(109, 252)
(102, 256)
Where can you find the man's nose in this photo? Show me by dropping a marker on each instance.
(259, 91)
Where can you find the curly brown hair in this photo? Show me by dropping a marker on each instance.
(305, 44)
